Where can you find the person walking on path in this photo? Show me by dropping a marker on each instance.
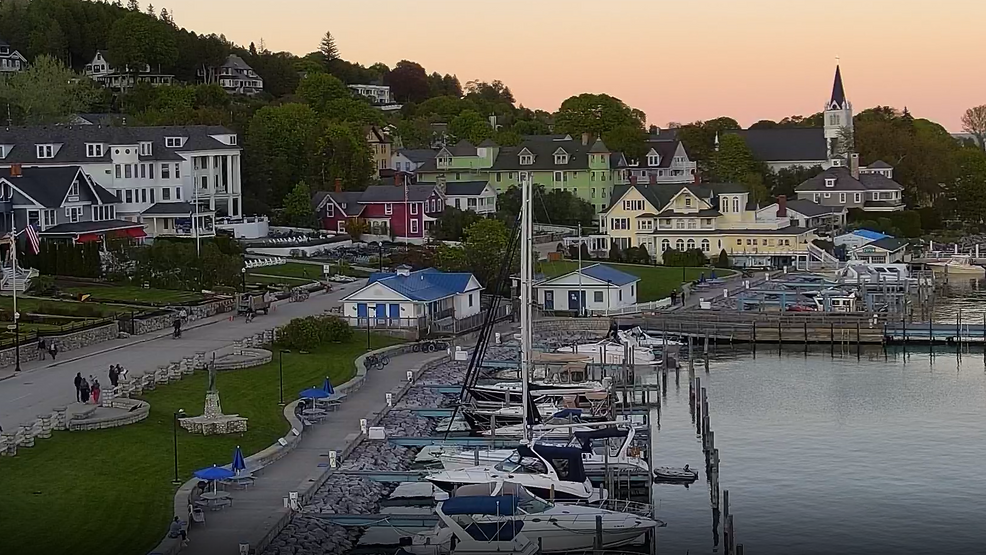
(114, 376)
(78, 387)
(53, 350)
(42, 347)
(84, 388)
(95, 391)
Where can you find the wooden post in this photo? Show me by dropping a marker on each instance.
(705, 348)
(779, 337)
(806, 335)
(691, 358)
(958, 329)
(599, 534)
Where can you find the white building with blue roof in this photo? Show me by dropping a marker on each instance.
(602, 288)
(407, 299)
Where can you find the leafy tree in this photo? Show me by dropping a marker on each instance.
(277, 148)
(765, 124)
(784, 181)
(755, 185)
(277, 69)
(318, 90)
(136, 41)
(550, 207)
(974, 122)
(133, 5)
(356, 227)
(688, 258)
(471, 126)
(734, 160)
(969, 190)
(628, 139)
(298, 207)
(507, 137)
(408, 82)
(596, 114)
(452, 224)
(341, 152)
(449, 258)
(615, 252)
(48, 92)
(485, 245)
(495, 92)
(815, 120)
(328, 47)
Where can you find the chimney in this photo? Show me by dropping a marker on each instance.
(633, 180)
(653, 178)
(338, 185)
(854, 165)
(698, 176)
(15, 170)
(585, 139)
(781, 206)
(397, 179)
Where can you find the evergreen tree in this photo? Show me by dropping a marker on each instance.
(328, 47)
(150, 10)
(133, 5)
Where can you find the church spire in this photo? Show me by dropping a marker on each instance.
(838, 92)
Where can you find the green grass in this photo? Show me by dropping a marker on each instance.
(135, 294)
(290, 269)
(70, 308)
(110, 491)
(656, 282)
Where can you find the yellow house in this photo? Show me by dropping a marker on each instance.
(380, 147)
(712, 217)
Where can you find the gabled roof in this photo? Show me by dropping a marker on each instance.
(879, 182)
(49, 185)
(463, 148)
(465, 188)
(488, 143)
(319, 199)
(786, 144)
(601, 272)
(599, 147)
(891, 244)
(844, 181)
(664, 149)
(838, 92)
(169, 209)
(879, 165)
(236, 62)
(418, 155)
(348, 201)
(393, 193)
(424, 285)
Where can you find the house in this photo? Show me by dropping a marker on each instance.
(390, 211)
(175, 219)
(378, 95)
(407, 299)
(11, 61)
(787, 147)
(478, 196)
(118, 79)
(62, 203)
(235, 76)
(871, 188)
(666, 161)
(140, 166)
(380, 147)
(871, 247)
(805, 213)
(712, 217)
(600, 287)
(410, 159)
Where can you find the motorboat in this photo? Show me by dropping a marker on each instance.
(483, 417)
(562, 528)
(511, 392)
(672, 474)
(594, 444)
(608, 351)
(548, 471)
(559, 425)
(477, 525)
(957, 266)
(645, 339)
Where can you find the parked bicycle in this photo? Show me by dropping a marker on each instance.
(429, 346)
(376, 362)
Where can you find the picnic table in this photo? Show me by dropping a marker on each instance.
(215, 499)
(314, 414)
(243, 479)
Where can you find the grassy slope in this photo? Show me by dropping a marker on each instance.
(132, 293)
(656, 282)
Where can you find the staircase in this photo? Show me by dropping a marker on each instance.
(19, 279)
(821, 255)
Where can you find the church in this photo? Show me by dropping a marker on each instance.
(785, 147)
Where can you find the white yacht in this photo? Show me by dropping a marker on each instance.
(474, 525)
(608, 351)
(559, 425)
(547, 471)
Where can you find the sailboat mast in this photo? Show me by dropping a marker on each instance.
(526, 275)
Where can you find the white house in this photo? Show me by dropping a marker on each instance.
(377, 94)
(478, 196)
(99, 70)
(234, 76)
(602, 288)
(11, 61)
(410, 159)
(408, 299)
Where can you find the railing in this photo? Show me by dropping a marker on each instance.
(363, 322)
(634, 309)
(471, 322)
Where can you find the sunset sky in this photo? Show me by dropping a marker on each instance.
(676, 60)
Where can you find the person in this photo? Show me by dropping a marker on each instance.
(95, 391)
(78, 386)
(250, 315)
(121, 372)
(52, 350)
(177, 324)
(183, 315)
(613, 328)
(114, 376)
(84, 388)
(42, 347)
(674, 297)
(178, 531)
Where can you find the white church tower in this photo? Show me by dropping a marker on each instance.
(838, 114)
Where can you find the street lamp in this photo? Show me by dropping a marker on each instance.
(243, 274)
(174, 432)
(368, 329)
(16, 328)
(280, 373)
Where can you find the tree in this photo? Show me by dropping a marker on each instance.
(596, 114)
(723, 260)
(48, 92)
(133, 5)
(136, 41)
(277, 149)
(150, 11)
(969, 190)
(755, 185)
(408, 82)
(784, 181)
(734, 160)
(470, 126)
(452, 224)
(549, 207)
(974, 122)
(485, 246)
(631, 140)
(615, 253)
(318, 90)
(328, 47)
(298, 207)
(765, 124)
(356, 227)
(341, 152)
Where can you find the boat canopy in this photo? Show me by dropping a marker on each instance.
(586, 437)
(501, 505)
(567, 461)
(567, 413)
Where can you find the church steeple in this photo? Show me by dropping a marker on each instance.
(838, 101)
(838, 118)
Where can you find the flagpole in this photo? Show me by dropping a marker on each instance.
(17, 327)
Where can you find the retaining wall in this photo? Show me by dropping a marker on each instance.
(67, 342)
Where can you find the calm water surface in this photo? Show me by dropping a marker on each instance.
(830, 454)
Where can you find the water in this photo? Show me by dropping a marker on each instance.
(965, 298)
(826, 454)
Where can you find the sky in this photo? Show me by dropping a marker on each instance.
(677, 60)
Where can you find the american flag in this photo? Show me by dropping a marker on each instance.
(33, 239)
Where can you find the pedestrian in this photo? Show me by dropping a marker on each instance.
(121, 373)
(674, 296)
(95, 391)
(78, 386)
(114, 376)
(52, 350)
(184, 316)
(178, 531)
(84, 389)
(42, 347)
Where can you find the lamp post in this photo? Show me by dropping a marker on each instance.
(367, 329)
(280, 374)
(174, 432)
(243, 281)
(16, 328)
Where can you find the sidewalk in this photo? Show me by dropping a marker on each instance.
(42, 385)
(257, 509)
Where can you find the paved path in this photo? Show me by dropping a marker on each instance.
(257, 509)
(42, 385)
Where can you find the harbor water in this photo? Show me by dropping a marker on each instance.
(829, 453)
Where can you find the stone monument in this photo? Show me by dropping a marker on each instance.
(213, 421)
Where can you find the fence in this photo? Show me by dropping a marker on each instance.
(470, 323)
(634, 309)
(26, 337)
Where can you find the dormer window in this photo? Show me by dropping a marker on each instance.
(688, 202)
(145, 149)
(232, 139)
(561, 158)
(172, 142)
(94, 150)
(526, 159)
(73, 190)
(444, 161)
(653, 160)
(633, 163)
(830, 182)
(46, 151)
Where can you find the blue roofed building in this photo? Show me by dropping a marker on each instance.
(406, 299)
(600, 287)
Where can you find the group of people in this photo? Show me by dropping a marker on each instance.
(46, 347)
(86, 389)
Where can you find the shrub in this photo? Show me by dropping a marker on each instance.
(693, 257)
(723, 260)
(42, 286)
(308, 333)
(615, 253)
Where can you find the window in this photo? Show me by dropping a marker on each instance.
(130, 196)
(597, 296)
(414, 208)
(458, 204)
(143, 195)
(232, 139)
(691, 244)
(526, 159)
(49, 218)
(73, 189)
(705, 245)
(444, 161)
(205, 182)
(94, 150)
(470, 299)
(166, 193)
(499, 177)
(46, 151)
(127, 171)
(688, 202)
(842, 198)
(177, 193)
(736, 207)
(330, 210)
(833, 119)
(34, 217)
(827, 195)
(749, 242)
(74, 213)
(830, 182)
(165, 171)
(177, 170)
(679, 244)
(172, 142)
(817, 197)
(725, 205)
(143, 171)
(388, 209)
(414, 227)
(754, 242)
(739, 241)
(653, 160)
(145, 149)
(561, 158)
(692, 223)
(858, 198)
(876, 196)
(559, 177)
(665, 245)
(679, 224)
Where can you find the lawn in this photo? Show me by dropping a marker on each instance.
(110, 491)
(290, 269)
(39, 305)
(134, 294)
(656, 282)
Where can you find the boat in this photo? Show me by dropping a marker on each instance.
(957, 266)
(559, 425)
(511, 392)
(594, 456)
(548, 471)
(608, 351)
(483, 417)
(477, 525)
(673, 474)
(562, 528)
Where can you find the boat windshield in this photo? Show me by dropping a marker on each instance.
(533, 505)
(525, 465)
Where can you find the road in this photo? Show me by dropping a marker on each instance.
(42, 385)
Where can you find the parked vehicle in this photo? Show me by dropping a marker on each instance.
(252, 302)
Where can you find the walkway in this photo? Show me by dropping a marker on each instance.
(733, 283)
(256, 510)
(42, 385)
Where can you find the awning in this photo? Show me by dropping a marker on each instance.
(136, 232)
(87, 238)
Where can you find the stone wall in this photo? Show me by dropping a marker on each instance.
(573, 324)
(68, 342)
(164, 320)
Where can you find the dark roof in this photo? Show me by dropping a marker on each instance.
(418, 155)
(786, 144)
(73, 139)
(810, 209)
(599, 147)
(544, 156)
(879, 182)
(838, 92)
(659, 195)
(89, 227)
(349, 201)
(100, 119)
(465, 188)
(488, 143)
(318, 198)
(49, 185)
(463, 148)
(392, 193)
(670, 134)
(879, 165)
(891, 244)
(169, 209)
(664, 149)
(844, 181)
(549, 138)
(789, 230)
(236, 62)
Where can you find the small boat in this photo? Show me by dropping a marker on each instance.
(957, 266)
(559, 425)
(464, 530)
(672, 474)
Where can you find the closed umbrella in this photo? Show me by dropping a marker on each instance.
(327, 386)
(239, 463)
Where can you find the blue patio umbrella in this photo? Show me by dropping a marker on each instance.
(327, 386)
(239, 463)
(213, 473)
(314, 393)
